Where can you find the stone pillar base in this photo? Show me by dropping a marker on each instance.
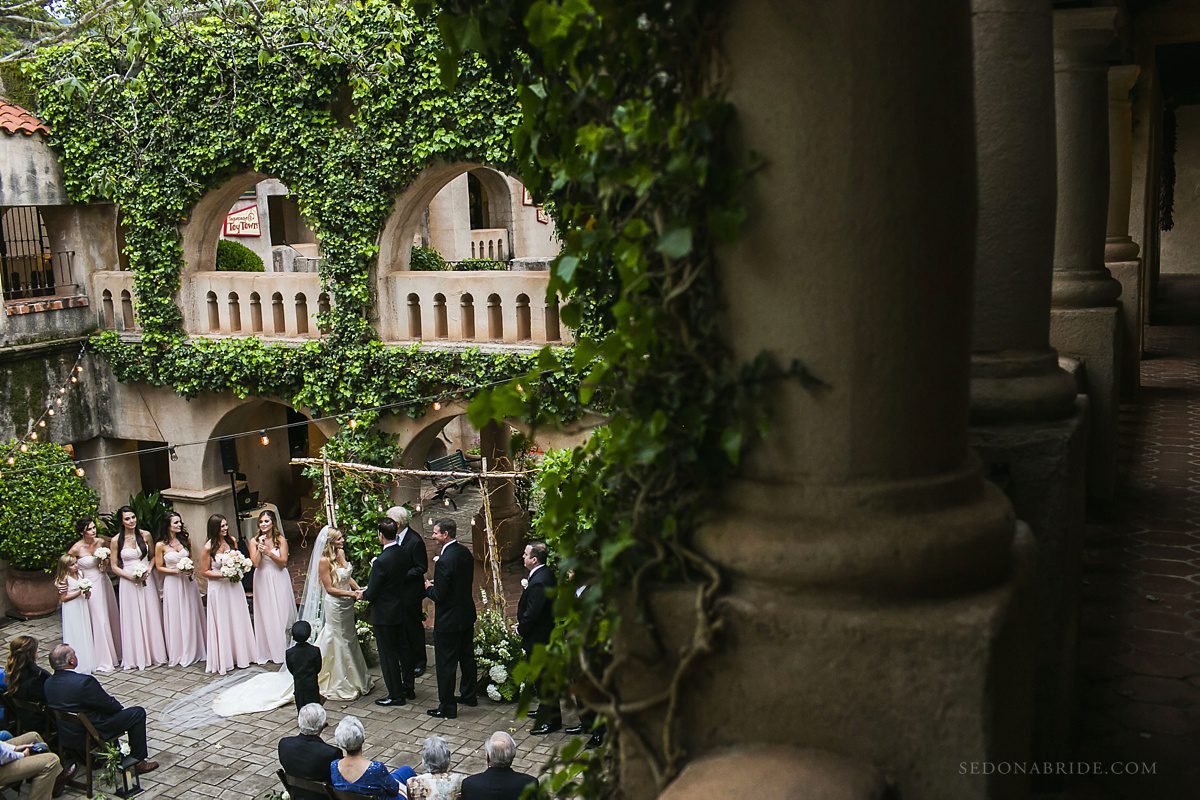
(1094, 335)
(1128, 273)
(1041, 469)
(920, 689)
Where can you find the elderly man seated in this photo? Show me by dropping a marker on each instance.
(499, 781)
(308, 755)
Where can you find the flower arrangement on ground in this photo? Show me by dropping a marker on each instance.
(364, 633)
(497, 651)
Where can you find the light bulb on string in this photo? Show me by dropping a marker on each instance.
(33, 434)
(446, 502)
(262, 437)
(51, 411)
(79, 471)
(58, 401)
(418, 508)
(12, 460)
(24, 448)
(437, 405)
(62, 390)
(42, 423)
(353, 423)
(79, 368)
(74, 379)
(172, 453)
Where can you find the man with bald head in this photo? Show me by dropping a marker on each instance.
(67, 690)
(500, 781)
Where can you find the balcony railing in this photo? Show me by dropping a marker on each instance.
(490, 243)
(265, 303)
(28, 277)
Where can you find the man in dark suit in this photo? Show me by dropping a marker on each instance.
(535, 621)
(500, 781)
(453, 620)
(67, 690)
(303, 660)
(385, 592)
(308, 755)
(415, 563)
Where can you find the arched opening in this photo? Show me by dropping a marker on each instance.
(301, 314)
(235, 312)
(479, 209)
(323, 312)
(523, 318)
(278, 323)
(127, 321)
(214, 313)
(30, 265)
(254, 225)
(414, 316)
(256, 324)
(441, 327)
(467, 315)
(106, 306)
(552, 331)
(495, 317)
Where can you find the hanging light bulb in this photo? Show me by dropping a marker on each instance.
(51, 411)
(58, 401)
(262, 437)
(42, 423)
(79, 368)
(446, 502)
(418, 508)
(62, 390)
(12, 460)
(172, 453)
(353, 423)
(33, 434)
(437, 405)
(79, 471)
(24, 448)
(74, 379)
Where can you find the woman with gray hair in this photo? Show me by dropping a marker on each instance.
(439, 783)
(358, 774)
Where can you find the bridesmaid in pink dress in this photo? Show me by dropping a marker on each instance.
(230, 634)
(142, 643)
(102, 600)
(183, 614)
(274, 601)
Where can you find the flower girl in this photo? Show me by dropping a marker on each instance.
(73, 593)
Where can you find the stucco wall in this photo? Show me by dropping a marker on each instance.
(29, 172)
(31, 375)
(1181, 245)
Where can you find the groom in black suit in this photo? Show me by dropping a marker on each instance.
(386, 593)
(453, 621)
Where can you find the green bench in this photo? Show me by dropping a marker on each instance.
(454, 462)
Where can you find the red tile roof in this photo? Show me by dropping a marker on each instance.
(14, 119)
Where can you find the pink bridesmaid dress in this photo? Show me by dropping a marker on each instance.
(274, 608)
(106, 619)
(142, 643)
(183, 614)
(230, 634)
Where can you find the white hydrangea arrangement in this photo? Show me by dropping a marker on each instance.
(186, 566)
(102, 553)
(235, 566)
(139, 570)
(497, 650)
(85, 585)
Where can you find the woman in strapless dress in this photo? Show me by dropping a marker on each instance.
(183, 613)
(142, 643)
(102, 600)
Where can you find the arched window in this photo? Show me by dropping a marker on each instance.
(495, 318)
(214, 313)
(255, 313)
(301, 314)
(127, 321)
(553, 334)
(467, 310)
(106, 304)
(441, 327)
(235, 312)
(523, 318)
(477, 201)
(278, 324)
(414, 316)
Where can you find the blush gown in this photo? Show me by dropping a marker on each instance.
(230, 639)
(183, 615)
(274, 609)
(105, 616)
(77, 628)
(142, 643)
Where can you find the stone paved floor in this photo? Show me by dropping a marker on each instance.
(1140, 651)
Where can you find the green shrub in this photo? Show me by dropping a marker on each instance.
(39, 507)
(479, 265)
(236, 257)
(426, 259)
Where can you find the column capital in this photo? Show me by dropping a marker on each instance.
(1121, 79)
(1082, 35)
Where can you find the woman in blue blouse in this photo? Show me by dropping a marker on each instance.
(355, 773)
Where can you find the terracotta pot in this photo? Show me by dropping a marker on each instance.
(31, 592)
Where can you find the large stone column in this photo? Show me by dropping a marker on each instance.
(875, 599)
(1085, 318)
(1025, 423)
(1120, 251)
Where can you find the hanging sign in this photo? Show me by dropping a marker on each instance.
(243, 222)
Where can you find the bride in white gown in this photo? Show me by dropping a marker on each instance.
(328, 606)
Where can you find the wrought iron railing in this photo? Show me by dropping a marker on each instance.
(28, 277)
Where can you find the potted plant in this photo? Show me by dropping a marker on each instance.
(42, 497)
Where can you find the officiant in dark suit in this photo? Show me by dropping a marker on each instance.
(308, 755)
(414, 563)
(386, 592)
(535, 621)
(453, 620)
(67, 690)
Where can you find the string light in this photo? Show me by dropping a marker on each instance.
(174, 455)
(62, 390)
(33, 434)
(353, 423)
(12, 460)
(418, 508)
(262, 437)
(74, 379)
(42, 422)
(58, 401)
(24, 448)
(79, 471)
(437, 405)
(50, 411)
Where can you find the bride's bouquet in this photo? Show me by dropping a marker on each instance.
(234, 566)
(102, 553)
(85, 586)
(139, 571)
(186, 567)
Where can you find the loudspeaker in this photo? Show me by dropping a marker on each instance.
(229, 461)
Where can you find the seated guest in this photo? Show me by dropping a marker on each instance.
(356, 773)
(439, 783)
(25, 680)
(28, 758)
(499, 781)
(67, 690)
(303, 660)
(307, 755)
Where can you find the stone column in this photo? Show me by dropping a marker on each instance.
(1025, 423)
(1085, 318)
(1120, 251)
(509, 520)
(876, 596)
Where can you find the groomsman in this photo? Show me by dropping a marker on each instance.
(535, 621)
(454, 620)
(385, 593)
(415, 562)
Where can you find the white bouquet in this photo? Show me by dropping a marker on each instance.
(234, 566)
(85, 585)
(102, 553)
(139, 571)
(186, 566)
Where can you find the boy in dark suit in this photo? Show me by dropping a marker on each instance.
(304, 662)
